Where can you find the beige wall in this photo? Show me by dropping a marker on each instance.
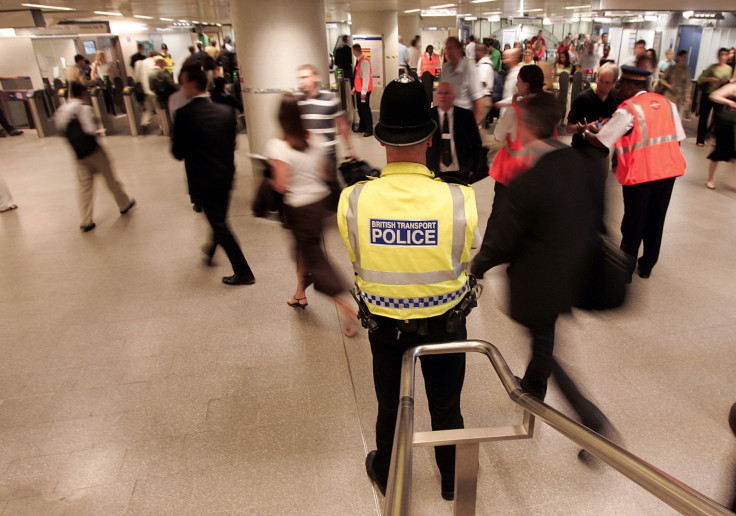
(19, 58)
(386, 24)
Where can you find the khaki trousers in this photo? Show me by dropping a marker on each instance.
(149, 108)
(485, 107)
(95, 163)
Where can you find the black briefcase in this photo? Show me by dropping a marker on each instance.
(353, 170)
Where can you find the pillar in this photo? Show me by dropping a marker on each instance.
(386, 24)
(272, 39)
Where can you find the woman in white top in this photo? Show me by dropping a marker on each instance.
(100, 68)
(298, 165)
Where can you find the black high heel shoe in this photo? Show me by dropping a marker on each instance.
(297, 302)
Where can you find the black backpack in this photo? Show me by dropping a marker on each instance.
(497, 91)
(83, 144)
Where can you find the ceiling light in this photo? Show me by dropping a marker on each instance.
(39, 6)
(651, 17)
(586, 19)
(490, 13)
(218, 24)
(142, 17)
(546, 21)
(687, 14)
(412, 11)
(494, 18)
(106, 13)
(471, 18)
(480, 1)
(577, 7)
(184, 21)
(534, 10)
(574, 19)
(166, 19)
(443, 6)
(127, 27)
(196, 22)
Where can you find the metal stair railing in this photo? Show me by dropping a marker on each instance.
(398, 494)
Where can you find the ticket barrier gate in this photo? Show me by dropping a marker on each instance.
(164, 117)
(28, 108)
(113, 124)
(133, 110)
(61, 95)
(342, 89)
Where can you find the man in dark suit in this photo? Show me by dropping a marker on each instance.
(456, 147)
(545, 230)
(204, 137)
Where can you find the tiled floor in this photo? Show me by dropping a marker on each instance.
(132, 381)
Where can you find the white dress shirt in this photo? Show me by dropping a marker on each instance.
(485, 74)
(464, 80)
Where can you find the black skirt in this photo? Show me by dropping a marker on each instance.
(725, 143)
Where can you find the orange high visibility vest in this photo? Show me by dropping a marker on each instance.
(358, 80)
(429, 64)
(651, 150)
(512, 159)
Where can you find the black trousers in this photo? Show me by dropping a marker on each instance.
(443, 380)
(645, 208)
(499, 198)
(215, 209)
(706, 106)
(4, 122)
(364, 112)
(543, 365)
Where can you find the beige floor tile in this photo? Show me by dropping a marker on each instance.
(132, 381)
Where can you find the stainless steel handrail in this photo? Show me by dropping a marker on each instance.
(398, 496)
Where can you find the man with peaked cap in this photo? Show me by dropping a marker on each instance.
(409, 236)
(646, 131)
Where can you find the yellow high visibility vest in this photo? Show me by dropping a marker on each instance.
(409, 238)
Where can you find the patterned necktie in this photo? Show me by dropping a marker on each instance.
(446, 148)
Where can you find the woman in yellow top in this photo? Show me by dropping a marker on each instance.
(167, 57)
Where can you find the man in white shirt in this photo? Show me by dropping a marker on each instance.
(461, 74)
(486, 76)
(647, 181)
(75, 119)
(414, 53)
(144, 70)
(403, 56)
(470, 49)
(512, 62)
(588, 59)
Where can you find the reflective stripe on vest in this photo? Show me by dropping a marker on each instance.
(645, 140)
(411, 278)
(413, 302)
(358, 80)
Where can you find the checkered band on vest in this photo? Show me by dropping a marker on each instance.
(413, 302)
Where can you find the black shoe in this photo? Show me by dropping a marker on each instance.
(197, 208)
(16, 132)
(126, 210)
(643, 274)
(368, 133)
(209, 254)
(242, 279)
(372, 473)
(89, 227)
(448, 495)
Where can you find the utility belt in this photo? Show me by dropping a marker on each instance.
(449, 322)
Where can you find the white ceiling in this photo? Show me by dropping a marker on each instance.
(218, 11)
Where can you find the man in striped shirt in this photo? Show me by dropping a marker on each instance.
(322, 114)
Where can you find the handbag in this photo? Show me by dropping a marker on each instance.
(606, 277)
(353, 170)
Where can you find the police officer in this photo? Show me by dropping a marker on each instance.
(646, 131)
(409, 236)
